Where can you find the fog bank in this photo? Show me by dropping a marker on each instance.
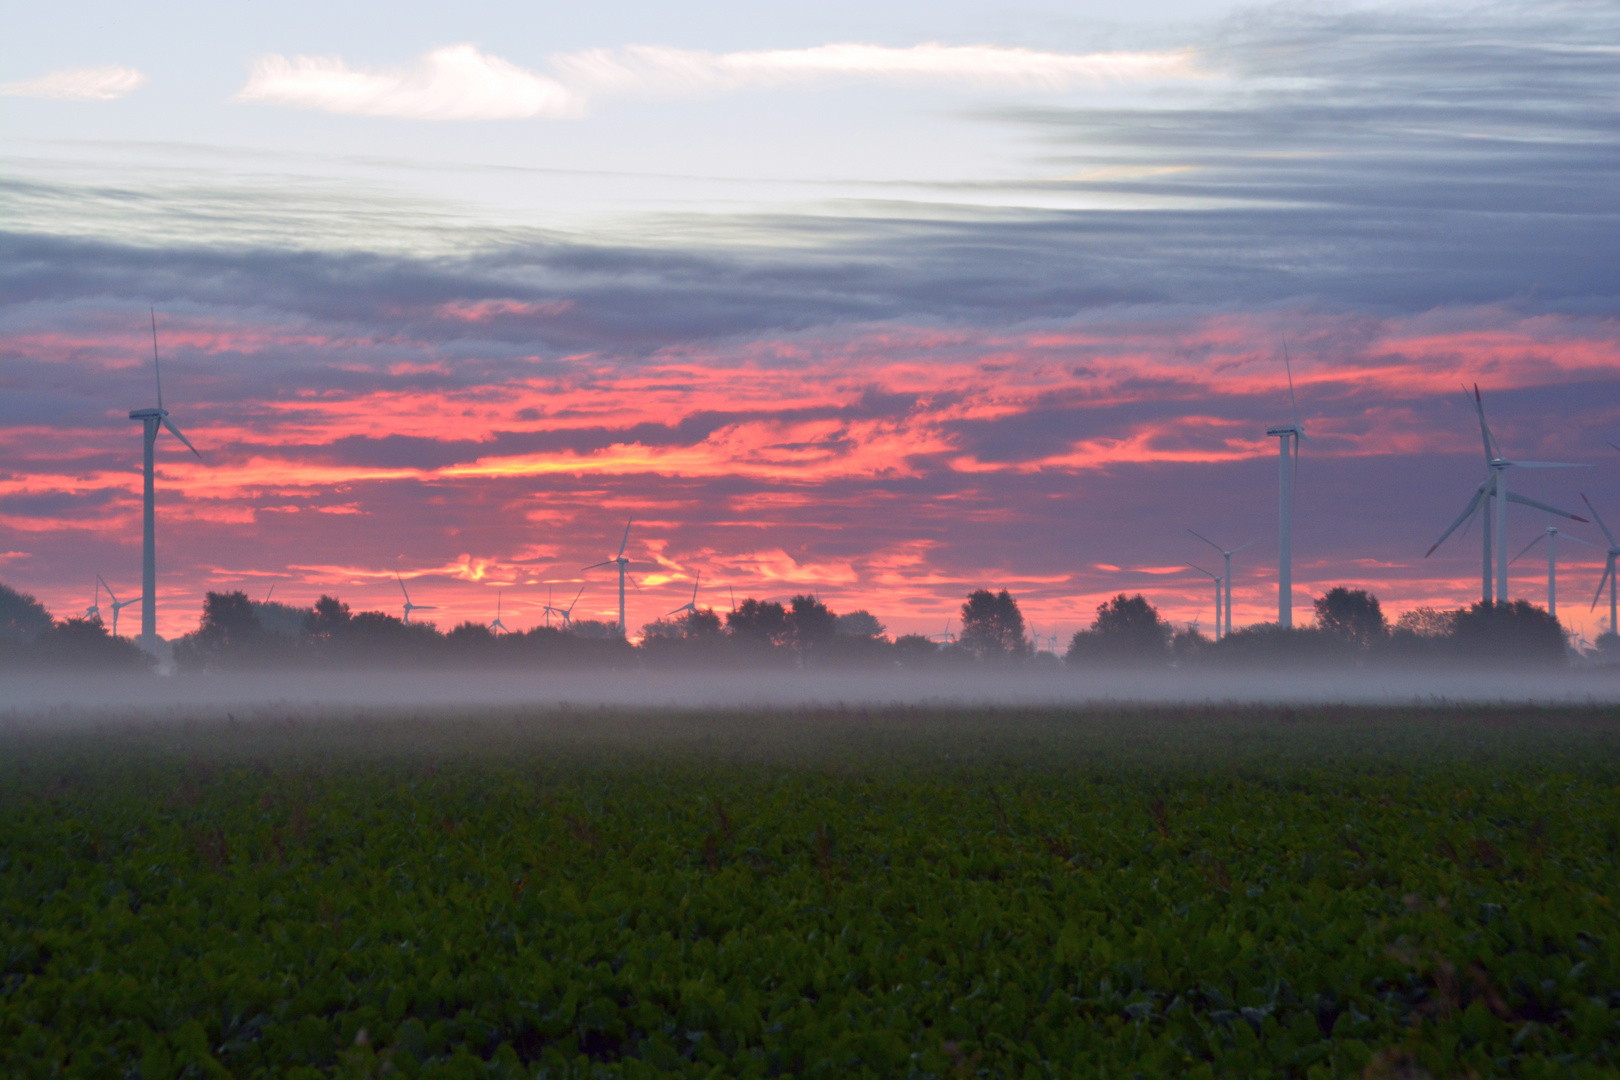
(42, 698)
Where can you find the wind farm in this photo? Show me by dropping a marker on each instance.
(919, 356)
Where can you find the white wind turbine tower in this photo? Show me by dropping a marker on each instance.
(152, 420)
(1608, 568)
(690, 607)
(1495, 486)
(1551, 536)
(1217, 577)
(410, 607)
(1288, 440)
(1227, 578)
(497, 626)
(117, 604)
(622, 563)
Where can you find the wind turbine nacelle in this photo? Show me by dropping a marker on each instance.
(147, 414)
(1276, 431)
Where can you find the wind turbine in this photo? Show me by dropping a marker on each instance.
(1288, 439)
(690, 607)
(567, 613)
(152, 420)
(117, 604)
(410, 607)
(621, 562)
(1551, 536)
(1608, 568)
(1217, 577)
(944, 637)
(1494, 486)
(1227, 578)
(497, 626)
(94, 610)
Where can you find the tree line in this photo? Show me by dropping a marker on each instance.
(238, 633)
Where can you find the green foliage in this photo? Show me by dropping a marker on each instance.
(1079, 901)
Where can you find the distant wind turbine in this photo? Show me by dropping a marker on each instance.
(410, 607)
(1288, 439)
(1494, 486)
(1552, 536)
(117, 604)
(1608, 568)
(1217, 578)
(1227, 578)
(622, 563)
(152, 419)
(94, 610)
(497, 626)
(945, 637)
(690, 607)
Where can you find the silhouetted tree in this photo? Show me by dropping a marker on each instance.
(85, 643)
(1351, 614)
(230, 635)
(21, 616)
(1188, 646)
(860, 623)
(758, 622)
(1516, 633)
(329, 616)
(1127, 630)
(992, 627)
(813, 625)
(915, 651)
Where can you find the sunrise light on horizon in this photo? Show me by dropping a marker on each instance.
(884, 305)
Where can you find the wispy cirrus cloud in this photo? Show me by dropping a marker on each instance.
(104, 83)
(460, 82)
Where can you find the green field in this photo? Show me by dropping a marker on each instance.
(886, 893)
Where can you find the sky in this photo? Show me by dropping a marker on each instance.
(881, 302)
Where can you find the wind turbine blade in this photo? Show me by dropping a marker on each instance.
(575, 600)
(695, 585)
(1468, 512)
(1527, 547)
(1292, 401)
(108, 587)
(1599, 517)
(1608, 571)
(1210, 542)
(1578, 540)
(1546, 465)
(156, 370)
(605, 562)
(667, 614)
(632, 578)
(423, 607)
(1492, 451)
(176, 433)
(402, 588)
(1611, 445)
(1523, 500)
(1251, 543)
(626, 539)
(1206, 573)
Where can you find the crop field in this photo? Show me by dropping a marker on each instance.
(818, 892)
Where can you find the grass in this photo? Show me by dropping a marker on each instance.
(878, 892)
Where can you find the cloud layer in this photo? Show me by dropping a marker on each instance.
(79, 84)
(453, 83)
(459, 82)
(890, 403)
